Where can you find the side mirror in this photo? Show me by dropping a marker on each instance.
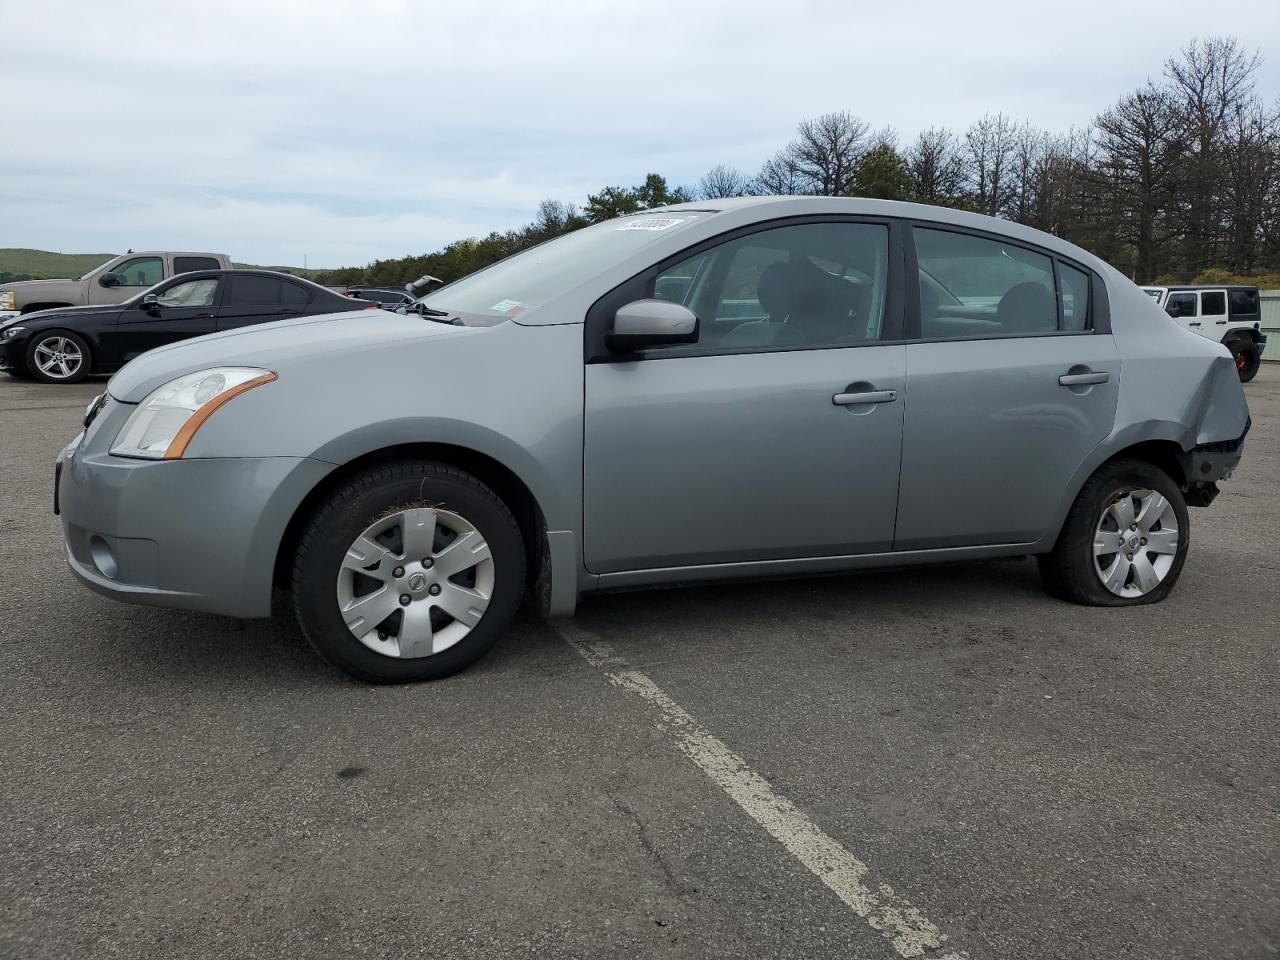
(109, 279)
(151, 303)
(651, 323)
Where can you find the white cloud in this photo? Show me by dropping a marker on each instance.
(349, 131)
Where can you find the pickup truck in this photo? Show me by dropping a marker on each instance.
(1228, 314)
(112, 282)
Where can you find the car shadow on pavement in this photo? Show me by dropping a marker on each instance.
(164, 645)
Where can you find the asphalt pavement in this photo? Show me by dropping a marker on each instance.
(728, 771)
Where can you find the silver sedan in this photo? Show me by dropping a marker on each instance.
(742, 388)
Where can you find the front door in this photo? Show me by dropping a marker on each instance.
(778, 434)
(134, 276)
(1008, 391)
(183, 309)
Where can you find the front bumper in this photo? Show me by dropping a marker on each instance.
(11, 353)
(193, 534)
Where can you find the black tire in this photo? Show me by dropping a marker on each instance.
(86, 355)
(364, 499)
(1068, 571)
(1247, 359)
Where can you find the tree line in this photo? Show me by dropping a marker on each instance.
(1178, 180)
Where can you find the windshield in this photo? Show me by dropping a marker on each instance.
(530, 279)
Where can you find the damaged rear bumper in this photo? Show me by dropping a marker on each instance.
(1207, 463)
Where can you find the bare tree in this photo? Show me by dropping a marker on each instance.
(1141, 153)
(721, 181)
(1251, 181)
(1211, 79)
(990, 146)
(936, 167)
(778, 176)
(826, 151)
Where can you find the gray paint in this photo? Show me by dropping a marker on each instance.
(694, 467)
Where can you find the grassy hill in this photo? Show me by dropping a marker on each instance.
(42, 263)
(20, 263)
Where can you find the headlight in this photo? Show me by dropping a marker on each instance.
(8, 300)
(8, 332)
(169, 417)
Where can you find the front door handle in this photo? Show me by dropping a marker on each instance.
(866, 396)
(1080, 379)
(1220, 321)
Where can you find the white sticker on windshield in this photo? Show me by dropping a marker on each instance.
(653, 223)
(506, 306)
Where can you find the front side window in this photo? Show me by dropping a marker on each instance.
(193, 293)
(1181, 305)
(804, 285)
(140, 272)
(976, 287)
(1213, 303)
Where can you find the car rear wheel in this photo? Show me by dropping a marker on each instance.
(1247, 360)
(58, 356)
(1125, 540)
(410, 571)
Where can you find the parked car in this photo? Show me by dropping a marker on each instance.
(387, 297)
(1231, 315)
(66, 345)
(837, 384)
(119, 279)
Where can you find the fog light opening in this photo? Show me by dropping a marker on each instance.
(103, 557)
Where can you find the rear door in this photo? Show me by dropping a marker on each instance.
(1012, 380)
(774, 437)
(257, 298)
(184, 309)
(1213, 313)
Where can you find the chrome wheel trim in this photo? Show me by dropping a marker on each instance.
(415, 582)
(58, 357)
(1135, 543)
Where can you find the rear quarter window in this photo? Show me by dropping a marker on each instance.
(187, 264)
(1244, 303)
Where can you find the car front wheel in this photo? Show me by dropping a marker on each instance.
(58, 356)
(410, 571)
(1125, 540)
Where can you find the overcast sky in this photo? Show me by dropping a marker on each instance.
(349, 131)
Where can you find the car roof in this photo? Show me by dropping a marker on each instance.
(756, 209)
(275, 274)
(1187, 287)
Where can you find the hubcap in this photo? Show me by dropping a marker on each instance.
(415, 582)
(1135, 543)
(58, 357)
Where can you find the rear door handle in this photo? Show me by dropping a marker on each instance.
(1194, 323)
(866, 396)
(1078, 379)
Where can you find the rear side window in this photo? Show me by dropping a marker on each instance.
(251, 291)
(292, 295)
(1075, 297)
(1244, 303)
(974, 287)
(1213, 303)
(187, 264)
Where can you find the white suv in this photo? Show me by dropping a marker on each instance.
(1230, 315)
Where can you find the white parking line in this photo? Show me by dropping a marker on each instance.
(902, 924)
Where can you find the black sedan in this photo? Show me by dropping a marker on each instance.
(66, 345)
